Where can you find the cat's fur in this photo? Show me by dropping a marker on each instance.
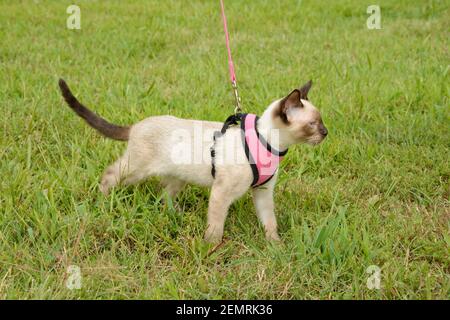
(151, 144)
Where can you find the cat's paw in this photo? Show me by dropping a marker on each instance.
(273, 237)
(212, 236)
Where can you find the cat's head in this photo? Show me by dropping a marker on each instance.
(297, 116)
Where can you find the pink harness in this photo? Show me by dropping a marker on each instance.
(263, 159)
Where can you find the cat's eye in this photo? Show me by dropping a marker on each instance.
(312, 123)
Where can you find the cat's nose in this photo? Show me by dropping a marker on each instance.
(323, 131)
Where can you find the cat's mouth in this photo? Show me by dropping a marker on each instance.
(315, 140)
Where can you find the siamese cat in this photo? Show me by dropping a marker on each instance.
(169, 147)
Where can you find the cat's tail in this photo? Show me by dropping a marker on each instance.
(101, 125)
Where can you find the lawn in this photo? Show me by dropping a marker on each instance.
(375, 193)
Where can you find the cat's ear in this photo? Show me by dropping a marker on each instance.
(305, 89)
(291, 101)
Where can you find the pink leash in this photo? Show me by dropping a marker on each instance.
(230, 61)
(227, 41)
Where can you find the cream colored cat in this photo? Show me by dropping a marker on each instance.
(178, 151)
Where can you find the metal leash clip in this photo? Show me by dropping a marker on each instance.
(237, 99)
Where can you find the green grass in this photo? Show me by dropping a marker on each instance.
(375, 193)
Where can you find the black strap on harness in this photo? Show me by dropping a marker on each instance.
(231, 120)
